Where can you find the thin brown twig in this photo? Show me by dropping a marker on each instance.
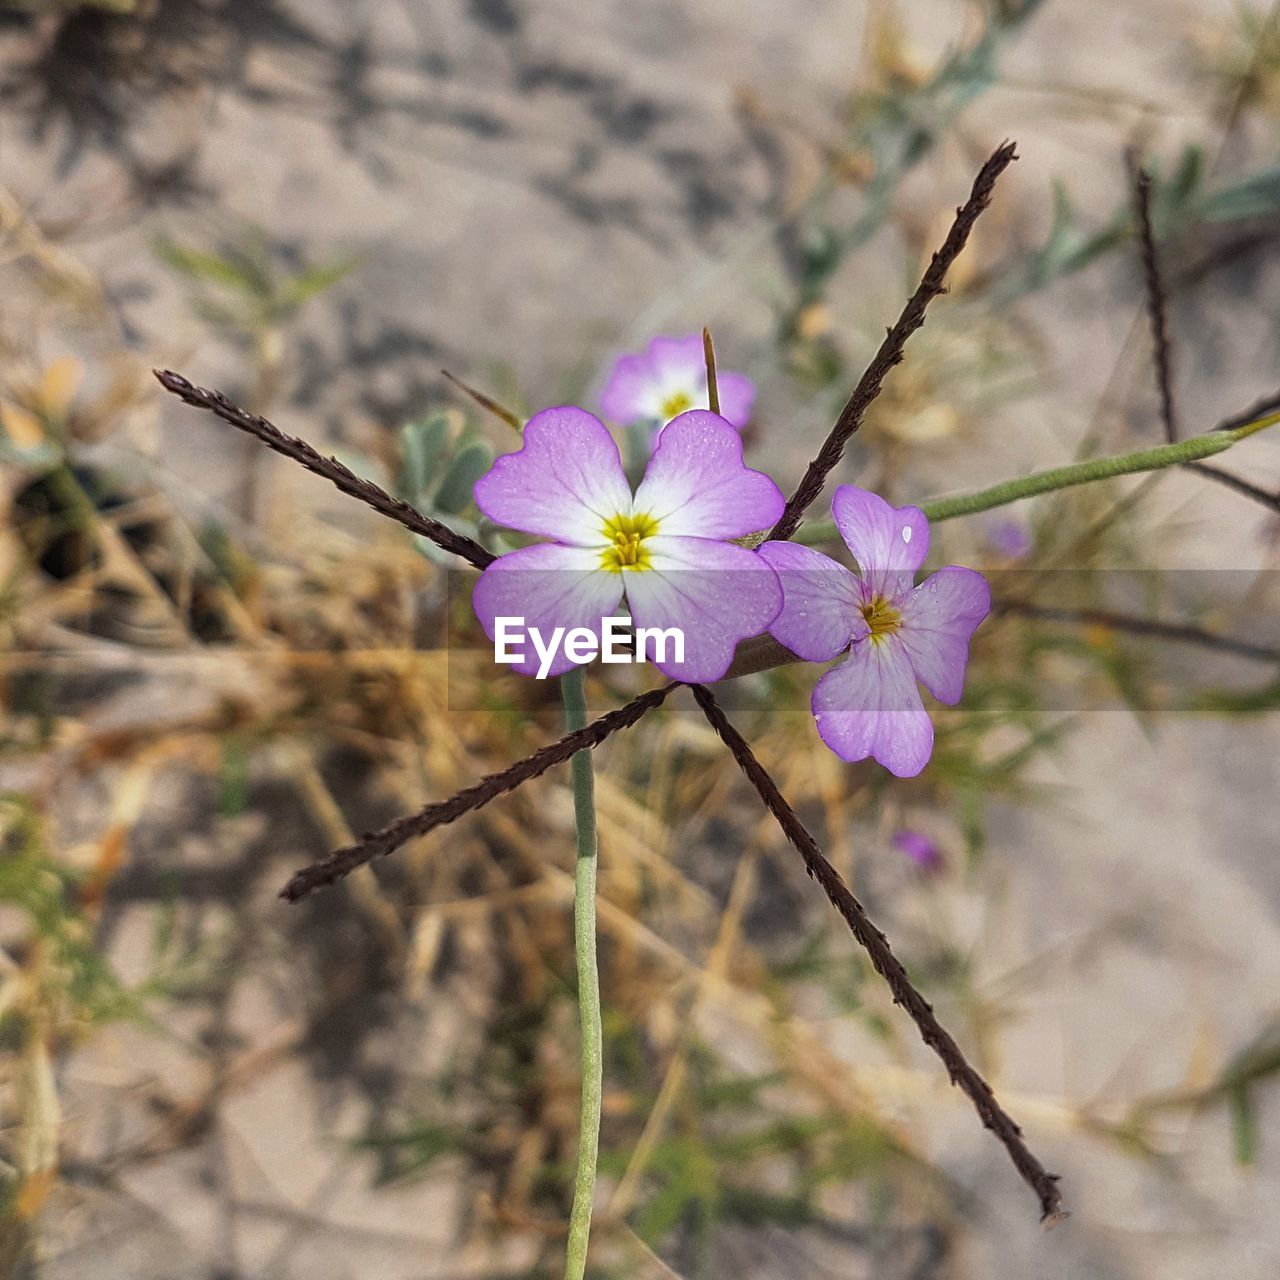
(330, 469)
(891, 349)
(379, 843)
(1157, 311)
(1182, 632)
(761, 654)
(887, 965)
(1260, 408)
(488, 403)
(1269, 500)
(709, 355)
(1157, 314)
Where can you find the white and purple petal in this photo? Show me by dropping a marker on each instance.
(564, 483)
(697, 487)
(679, 363)
(938, 618)
(641, 386)
(869, 706)
(821, 602)
(547, 586)
(630, 394)
(889, 543)
(737, 397)
(717, 594)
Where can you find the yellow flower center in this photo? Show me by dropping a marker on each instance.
(882, 618)
(626, 536)
(675, 404)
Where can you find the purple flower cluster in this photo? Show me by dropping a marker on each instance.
(671, 553)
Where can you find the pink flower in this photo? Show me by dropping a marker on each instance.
(869, 705)
(666, 549)
(669, 377)
(920, 848)
(1009, 539)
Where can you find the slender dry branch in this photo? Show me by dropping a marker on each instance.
(1268, 500)
(1260, 408)
(330, 469)
(709, 357)
(378, 844)
(764, 653)
(761, 654)
(891, 349)
(1183, 632)
(488, 403)
(1157, 312)
(887, 965)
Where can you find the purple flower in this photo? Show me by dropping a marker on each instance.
(1009, 538)
(920, 848)
(666, 549)
(669, 377)
(869, 705)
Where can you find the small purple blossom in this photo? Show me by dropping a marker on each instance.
(920, 848)
(1009, 538)
(668, 378)
(896, 633)
(666, 550)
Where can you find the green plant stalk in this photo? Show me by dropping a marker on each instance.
(1087, 472)
(584, 941)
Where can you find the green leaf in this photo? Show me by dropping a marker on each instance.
(1178, 194)
(422, 447)
(1237, 702)
(313, 281)
(212, 268)
(1244, 1125)
(219, 316)
(233, 791)
(1067, 248)
(44, 892)
(471, 462)
(414, 1150)
(1256, 195)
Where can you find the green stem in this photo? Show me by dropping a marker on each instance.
(1092, 469)
(584, 941)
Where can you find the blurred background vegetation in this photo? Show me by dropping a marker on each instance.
(214, 670)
